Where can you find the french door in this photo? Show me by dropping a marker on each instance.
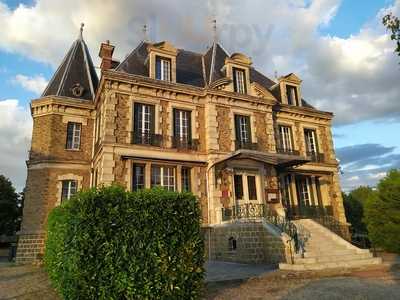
(247, 188)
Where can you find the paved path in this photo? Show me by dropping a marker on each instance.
(224, 271)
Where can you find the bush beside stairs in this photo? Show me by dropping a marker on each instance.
(324, 250)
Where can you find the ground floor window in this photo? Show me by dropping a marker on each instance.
(245, 185)
(138, 181)
(185, 177)
(69, 188)
(163, 176)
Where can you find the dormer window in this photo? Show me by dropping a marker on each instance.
(239, 80)
(291, 93)
(163, 68)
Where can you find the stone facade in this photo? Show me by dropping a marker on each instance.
(278, 182)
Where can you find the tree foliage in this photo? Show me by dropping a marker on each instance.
(382, 213)
(392, 23)
(112, 244)
(10, 210)
(354, 207)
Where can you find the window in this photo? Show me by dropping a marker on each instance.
(251, 185)
(163, 68)
(311, 141)
(303, 184)
(291, 93)
(185, 177)
(285, 133)
(73, 136)
(143, 126)
(239, 81)
(243, 130)
(138, 178)
(69, 188)
(163, 176)
(232, 244)
(238, 182)
(182, 126)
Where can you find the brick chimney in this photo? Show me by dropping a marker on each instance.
(106, 53)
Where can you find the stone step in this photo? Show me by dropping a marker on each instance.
(331, 252)
(334, 258)
(331, 265)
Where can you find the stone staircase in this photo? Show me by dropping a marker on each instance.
(324, 250)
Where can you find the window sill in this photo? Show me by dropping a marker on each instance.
(74, 150)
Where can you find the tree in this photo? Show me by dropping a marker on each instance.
(392, 23)
(9, 208)
(354, 207)
(382, 213)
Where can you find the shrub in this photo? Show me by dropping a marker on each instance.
(382, 213)
(112, 244)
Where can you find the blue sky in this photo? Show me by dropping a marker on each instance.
(338, 48)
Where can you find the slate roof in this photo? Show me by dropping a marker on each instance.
(193, 68)
(76, 68)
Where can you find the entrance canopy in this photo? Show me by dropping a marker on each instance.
(275, 159)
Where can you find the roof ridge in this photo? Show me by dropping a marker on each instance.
(62, 82)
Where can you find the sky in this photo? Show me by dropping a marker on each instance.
(339, 48)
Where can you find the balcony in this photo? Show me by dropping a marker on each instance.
(150, 139)
(245, 211)
(245, 145)
(315, 157)
(185, 144)
(287, 151)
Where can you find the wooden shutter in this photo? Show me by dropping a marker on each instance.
(237, 127)
(189, 126)
(176, 122)
(136, 120)
(70, 135)
(248, 128)
(158, 67)
(152, 119)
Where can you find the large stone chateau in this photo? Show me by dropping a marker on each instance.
(209, 123)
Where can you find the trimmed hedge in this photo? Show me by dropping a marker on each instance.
(112, 244)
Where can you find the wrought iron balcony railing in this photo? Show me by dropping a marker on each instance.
(147, 139)
(315, 157)
(245, 145)
(308, 211)
(245, 211)
(287, 151)
(185, 144)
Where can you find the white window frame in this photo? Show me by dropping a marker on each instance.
(240, 76)
(164, 180)
(311, 141)
(286, 137)
(76, 136)
(70, 187)
(183, 119)
(165, 68)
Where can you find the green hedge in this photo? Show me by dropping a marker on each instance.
(112, 244)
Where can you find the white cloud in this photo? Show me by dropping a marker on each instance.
(35, 84)
(15, 135)
(379, 175)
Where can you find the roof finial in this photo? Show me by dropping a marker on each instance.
(276, 74)
(81, 31)
(215, 36)
(145, 38)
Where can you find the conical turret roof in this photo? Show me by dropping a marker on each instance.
(76, 76)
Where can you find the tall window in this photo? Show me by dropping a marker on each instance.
(303, 189)
(182, 126)
(163, 176)
(138, 178)
(311, 141)
(163, 68)
(239, 81)
(285, 133)
(291, 93)
(251, 186)
(143, 123)
(69, 188)
(238, 182)
(243, 130)
(185, 177)
(73, 135)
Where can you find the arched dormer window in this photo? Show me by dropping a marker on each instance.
(162, 61)
(237, 69)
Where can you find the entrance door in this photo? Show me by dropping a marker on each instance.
(246, 187)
